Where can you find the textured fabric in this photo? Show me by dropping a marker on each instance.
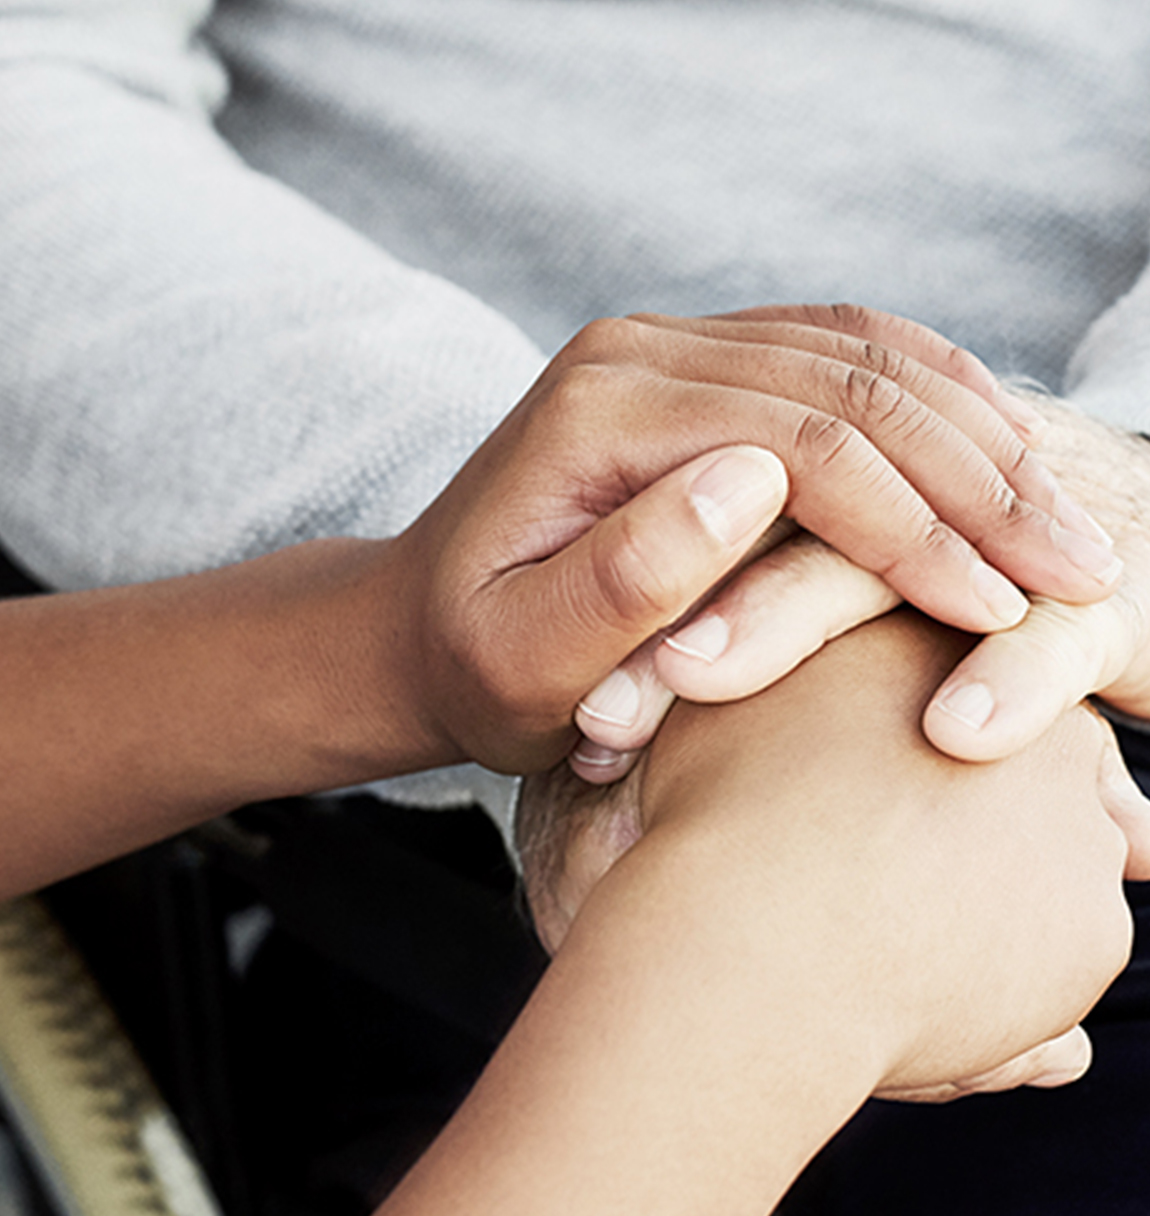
(201, 362)
(271, 270)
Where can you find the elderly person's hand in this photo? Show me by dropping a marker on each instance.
(1015, 683)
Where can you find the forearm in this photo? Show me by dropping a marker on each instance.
(712, 1016)
(822, 906)
(648, 1073)
(131, 713)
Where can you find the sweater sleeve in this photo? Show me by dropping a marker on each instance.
(197, 364)
(1109, 374)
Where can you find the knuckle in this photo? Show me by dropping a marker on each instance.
(1134, 620)
(824, 440)
(1114, 924)
(1124, 937)
(1067, 639)
(957, 363)
(855, 318)
(869, 398)
(929, 543)
(1006, 506)
(874, 402)
(845, 318)
(882, 360)
(608, 340)
(585, 388)
(934, 540)
(1015, 459)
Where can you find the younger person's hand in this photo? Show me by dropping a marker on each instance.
(820, 907)
(1002, 881)
(637, 474)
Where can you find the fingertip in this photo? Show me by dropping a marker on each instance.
(739, 493)
(598, 765)
(1006, 604)
(612, 705)
(705, 639)
(1065, 1060)
(1093, 560)
(1058, 1061)
(959, 720)
(623, 712)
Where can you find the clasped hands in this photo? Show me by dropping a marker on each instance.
(608, 550)
(603, 551)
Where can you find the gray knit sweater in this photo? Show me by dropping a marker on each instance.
(271, 271)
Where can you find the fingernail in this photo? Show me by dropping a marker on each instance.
(1070, 515)
(1006, 603)
(615, 700)
(1070, 1070)
(1064, 1076)
(1022, 414)
(706, 638)
(970, 704)
(739, 493)
(595, 755)
(1091, 558)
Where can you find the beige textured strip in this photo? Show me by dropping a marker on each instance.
(101, 1137)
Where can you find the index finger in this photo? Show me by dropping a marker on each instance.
(920, 342)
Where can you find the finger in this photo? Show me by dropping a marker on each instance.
(949, 444)
(920, 342)
(598, 765)
(1125, 803)
(1013, 685)
(623, 712)
(1058, 1061)
(633, 573)
(846, 492)
(767, 619)
(639, 568)
(880, 342)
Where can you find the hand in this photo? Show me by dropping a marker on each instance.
(621, 490)
(1015, 683)
(855, 736)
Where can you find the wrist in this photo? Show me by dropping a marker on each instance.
(696, 1067)
(365, 686)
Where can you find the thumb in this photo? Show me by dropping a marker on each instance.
(1014, 684)
(644, 565)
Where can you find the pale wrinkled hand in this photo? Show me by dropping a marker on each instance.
(1014, 684)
